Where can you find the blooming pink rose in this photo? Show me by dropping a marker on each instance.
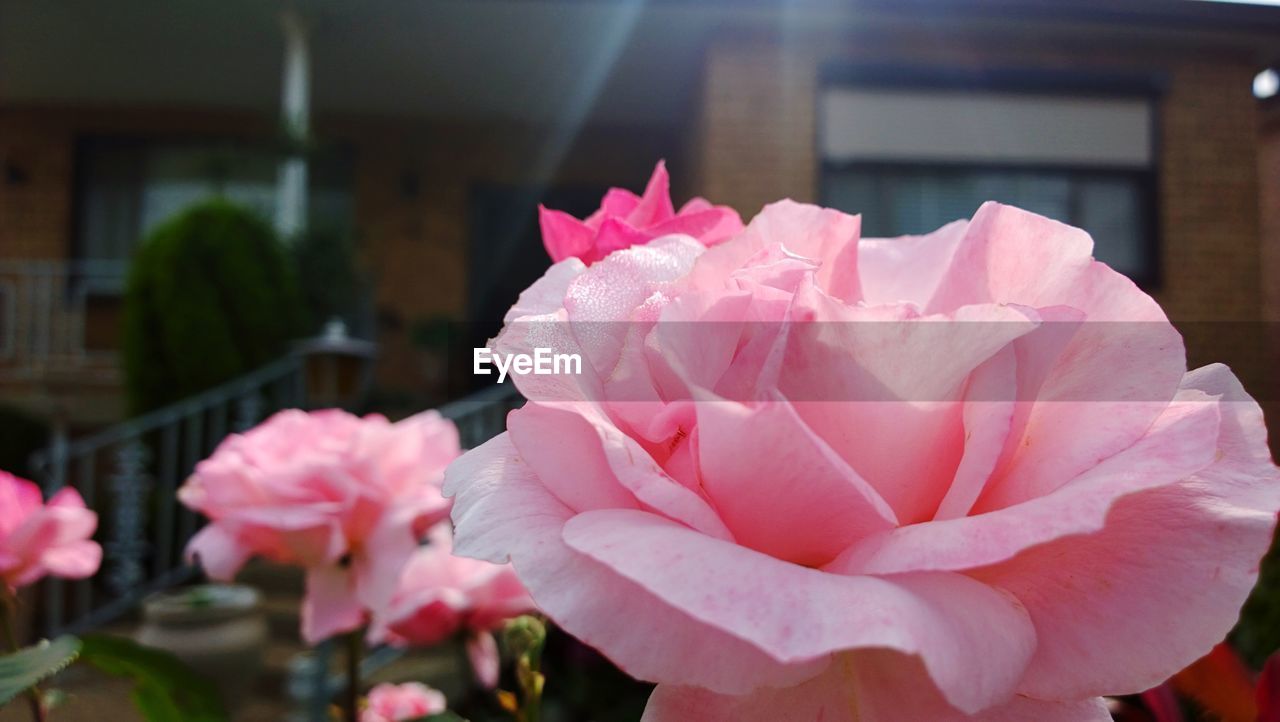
(38, 539)
(441, 594)
(396, 702)
(626, 220)
(348, 498)
(805, 475)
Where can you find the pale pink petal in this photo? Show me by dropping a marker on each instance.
(1111, 609)
(819, 234)
(564, 451)
(871, 382)
(947, 619)
(1085, 411)
(907, 269)
(482, 651)
(47, 528)
(502, 512)
(330, 606)
(402, 702)
(650, 484)
(1009, 255)
(780, 489)
(989, 410)
(546, 295)
(872, 686)
(1243, 471)
(376, 567)
(1180, 443)
(74, 560)
(218, 552)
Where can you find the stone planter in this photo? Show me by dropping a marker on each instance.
(218, 629)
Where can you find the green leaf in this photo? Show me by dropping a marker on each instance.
(25, 668)
(165, 689)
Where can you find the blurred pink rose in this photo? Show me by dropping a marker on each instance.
(397, 702)
(441, 594)
(806, 476)
(626, 220)
(348, 498)
(38, 539)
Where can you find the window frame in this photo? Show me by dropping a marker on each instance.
(341, 151)
(1149, 87)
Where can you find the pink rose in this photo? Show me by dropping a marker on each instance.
(441, 594)
(348, 498)
(626, 220)
(397, 702)
(38, 539)
(806, 476)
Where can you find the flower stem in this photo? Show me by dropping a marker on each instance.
(351, 698)
(8, 612)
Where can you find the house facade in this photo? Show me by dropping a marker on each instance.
(442, 125)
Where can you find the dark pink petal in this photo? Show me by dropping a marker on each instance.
(563, 235)
(655, 205)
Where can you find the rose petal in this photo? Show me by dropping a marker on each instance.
(331, 606)
(502, 511)
(947, 619)
(872, 686)
(1180, 443)
(779, 488)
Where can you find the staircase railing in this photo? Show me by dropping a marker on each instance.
(130, 474)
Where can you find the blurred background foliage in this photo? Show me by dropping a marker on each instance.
(211, 295)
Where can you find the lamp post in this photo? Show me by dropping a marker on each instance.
(338, 368)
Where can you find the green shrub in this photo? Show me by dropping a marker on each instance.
(329, 275)
(211, 295)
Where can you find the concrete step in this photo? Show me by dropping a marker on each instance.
(284, 615)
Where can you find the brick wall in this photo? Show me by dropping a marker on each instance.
(756, 143)
(415, 243)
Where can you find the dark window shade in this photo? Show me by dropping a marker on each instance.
(904, 199)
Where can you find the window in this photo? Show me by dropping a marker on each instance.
(912, 156)
(128, 187)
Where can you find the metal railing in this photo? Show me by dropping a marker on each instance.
(130, 473)
(44, 311)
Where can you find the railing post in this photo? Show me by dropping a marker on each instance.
(127, 544)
